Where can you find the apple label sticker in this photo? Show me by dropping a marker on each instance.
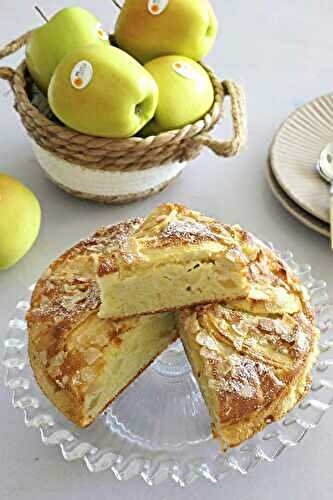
(81, 75)
(186, 70)
(102, 35)
(156, 7)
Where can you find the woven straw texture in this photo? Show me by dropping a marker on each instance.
(126, 154)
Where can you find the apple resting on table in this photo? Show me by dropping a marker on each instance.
(186, 93)
(20, 217)
(102, 91)
(69, 29)
(147, 29)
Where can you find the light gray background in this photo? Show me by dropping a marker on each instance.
(282, 53)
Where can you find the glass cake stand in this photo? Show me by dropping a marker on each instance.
(159, 428)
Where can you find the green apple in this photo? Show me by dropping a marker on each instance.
(147, 29)
(186, 93)
(69, 29)
(20, 217)
(102, 91)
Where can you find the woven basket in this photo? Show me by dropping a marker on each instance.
(120, 170)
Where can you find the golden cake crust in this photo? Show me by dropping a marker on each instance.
(67, 295)
(67, 341)
(175, 226)
(252, 369)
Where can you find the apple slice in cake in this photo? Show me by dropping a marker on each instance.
(251, 369)
(179, 257)
(80, 361)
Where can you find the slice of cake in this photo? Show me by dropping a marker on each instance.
(80, 361)
(179, 257)
(251, 369)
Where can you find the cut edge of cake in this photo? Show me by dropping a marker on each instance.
(93, 388)
(70, 348)
(179, 258)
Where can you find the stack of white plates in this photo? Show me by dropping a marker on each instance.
(291, 168)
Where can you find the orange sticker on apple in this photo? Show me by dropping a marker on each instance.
(186, 70)
(156, 7)
(81, 75)
(102, 35)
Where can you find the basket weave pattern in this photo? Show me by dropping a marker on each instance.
(126, 154)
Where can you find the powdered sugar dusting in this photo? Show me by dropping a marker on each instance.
(242, 352)
(245, 378)
(187, 231)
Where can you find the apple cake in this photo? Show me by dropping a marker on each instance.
(80, 361)
(180, 258)
(242, 314)
(252, 369)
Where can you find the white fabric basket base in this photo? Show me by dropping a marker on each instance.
(88, 183)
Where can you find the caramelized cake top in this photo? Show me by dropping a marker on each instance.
(67, 296)
(248, 359)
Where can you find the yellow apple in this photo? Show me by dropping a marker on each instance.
(147, 29)
(69, 29)
(186, 93)
(20, 217)
(102, 91)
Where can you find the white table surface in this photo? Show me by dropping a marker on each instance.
(282, 53)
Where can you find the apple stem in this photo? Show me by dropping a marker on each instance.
(41, 13)
(117, 4)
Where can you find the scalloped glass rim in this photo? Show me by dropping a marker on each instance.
(177, 465)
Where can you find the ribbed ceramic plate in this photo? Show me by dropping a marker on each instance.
(295, 210)
(295, 151)
(159, 428)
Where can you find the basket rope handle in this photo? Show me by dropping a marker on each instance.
(7, 73)
(238, 113)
